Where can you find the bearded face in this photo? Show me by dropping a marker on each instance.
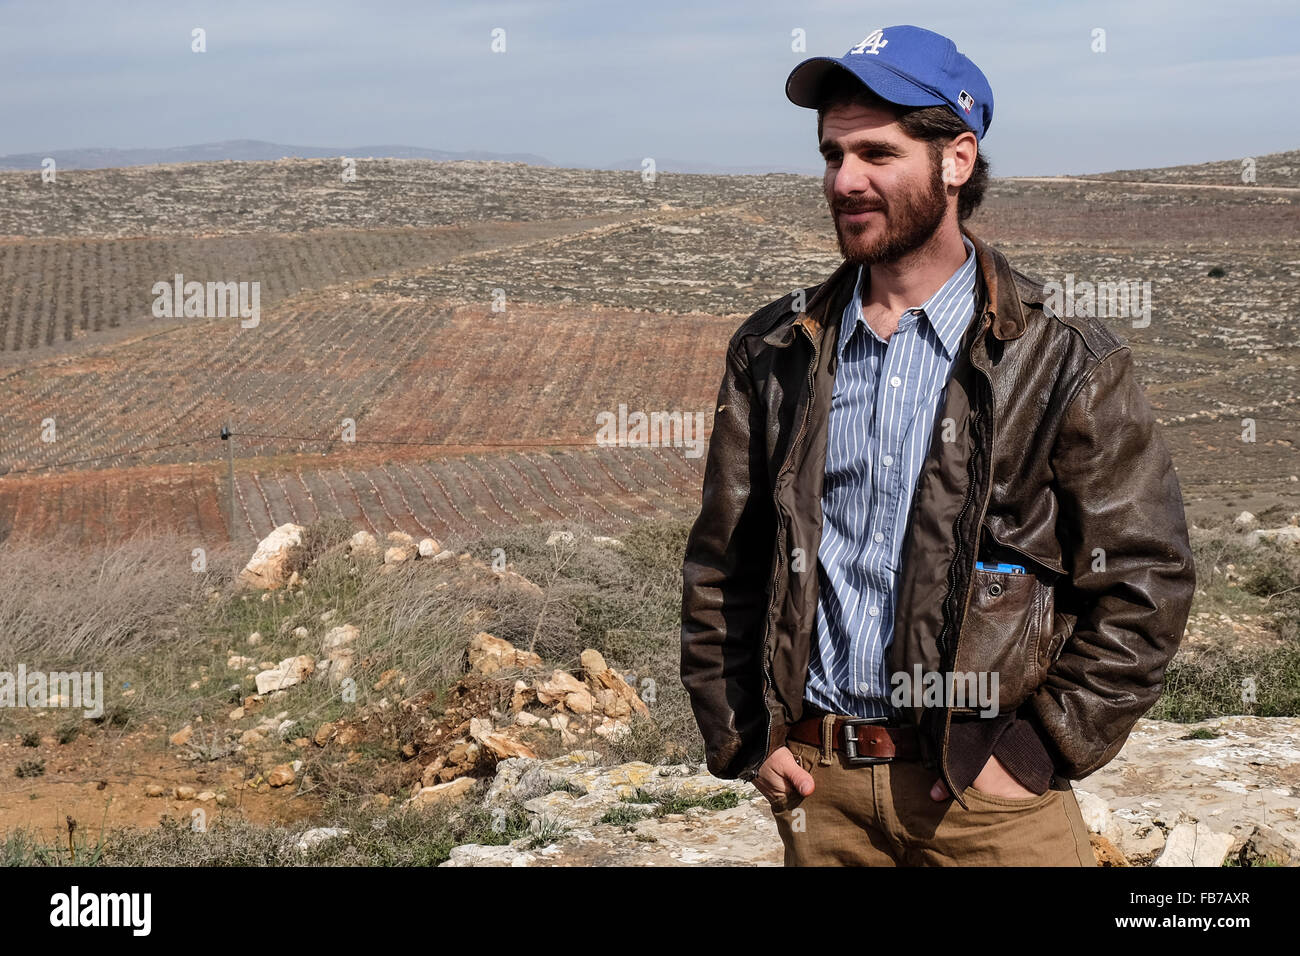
(900, 219)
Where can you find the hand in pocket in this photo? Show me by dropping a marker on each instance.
(781, 776)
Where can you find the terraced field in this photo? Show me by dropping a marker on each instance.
(603, 489)
(64, 296)
(471, 321)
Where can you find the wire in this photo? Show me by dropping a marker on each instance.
(536, 443)
(120, 454)
(539, 442)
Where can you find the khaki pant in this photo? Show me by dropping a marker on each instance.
(882, 815)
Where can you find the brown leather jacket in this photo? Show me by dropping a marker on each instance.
(1045, 454)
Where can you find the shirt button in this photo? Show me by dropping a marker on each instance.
(887, 460)
(873, 611)
(879, 537)
(864, 687)
(895, 381)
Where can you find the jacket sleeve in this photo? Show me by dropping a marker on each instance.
(1122, 526)
(725, 575)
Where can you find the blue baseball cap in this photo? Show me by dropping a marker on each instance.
(906, 65)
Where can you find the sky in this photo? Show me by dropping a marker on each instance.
(592, 82)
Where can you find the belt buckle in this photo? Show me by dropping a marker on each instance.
(851, 741)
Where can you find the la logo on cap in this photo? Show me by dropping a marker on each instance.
(872, 44)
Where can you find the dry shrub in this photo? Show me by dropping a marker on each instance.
(59, 603)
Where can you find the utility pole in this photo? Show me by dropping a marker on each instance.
(230, 459)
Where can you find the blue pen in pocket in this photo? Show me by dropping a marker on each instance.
(1000, 567)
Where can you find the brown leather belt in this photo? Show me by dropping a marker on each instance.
(862, 740)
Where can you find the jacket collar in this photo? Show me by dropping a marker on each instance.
(995, 286)
(998, 294)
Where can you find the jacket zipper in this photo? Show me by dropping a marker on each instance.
(965, 507)
(780, 538)
(950, 660)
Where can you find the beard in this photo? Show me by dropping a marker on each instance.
(910, 221)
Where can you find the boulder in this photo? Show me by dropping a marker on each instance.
(318, 835)
(1105, 852)
(1287, 536)
(290, 671)
(579, 701)
(451, 790)
(339, 637)
(266, 569)
(1194, 844)
(554, 689)
(519, 586)
(488, 654)
(612, 694)
(363, 543)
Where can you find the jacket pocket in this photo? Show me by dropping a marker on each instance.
(1007, 635)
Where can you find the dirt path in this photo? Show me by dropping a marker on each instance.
(100, 778)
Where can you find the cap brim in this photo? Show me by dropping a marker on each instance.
(805, 80)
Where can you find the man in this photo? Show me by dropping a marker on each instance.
(941, 561)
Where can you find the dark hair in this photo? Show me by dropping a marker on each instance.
(935, 125)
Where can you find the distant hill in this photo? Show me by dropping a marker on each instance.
(667, 164)
(1270, 169)
(247, 150)
(256, 150)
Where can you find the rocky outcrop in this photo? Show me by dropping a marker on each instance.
(1195, 794)
(1288, 535)
(600, 704)
(567, 798)
(509, 705)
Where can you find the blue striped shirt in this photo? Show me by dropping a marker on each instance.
(882, 415)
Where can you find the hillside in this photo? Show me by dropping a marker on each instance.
(417, 398)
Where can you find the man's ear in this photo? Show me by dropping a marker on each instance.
(958, 160)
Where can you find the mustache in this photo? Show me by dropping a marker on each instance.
(851, 208)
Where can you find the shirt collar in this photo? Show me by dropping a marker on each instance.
(948, 310)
